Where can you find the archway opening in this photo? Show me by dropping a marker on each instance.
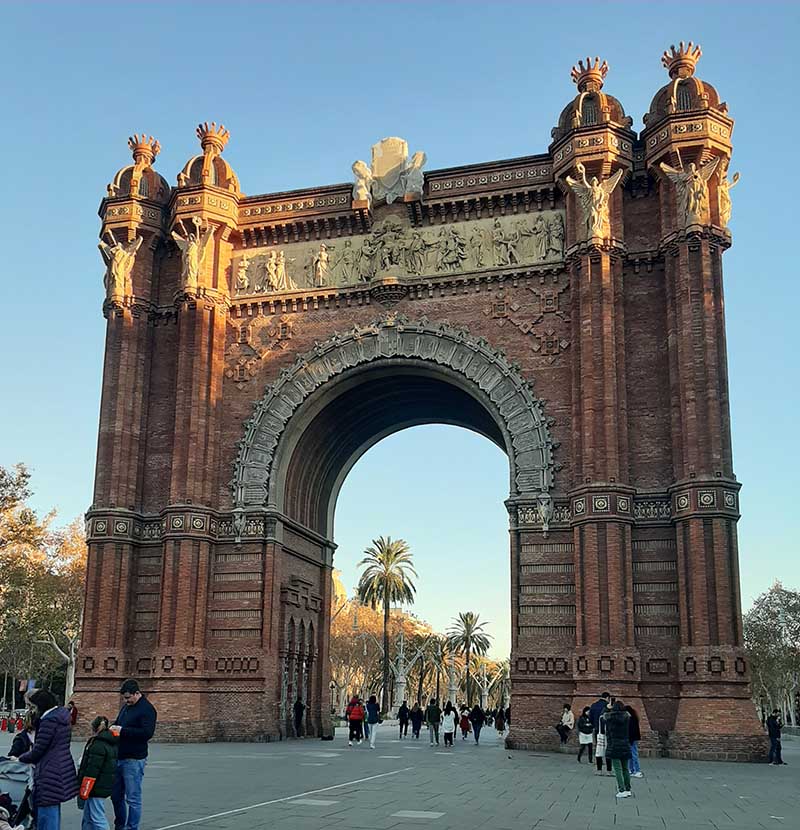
(440, 488)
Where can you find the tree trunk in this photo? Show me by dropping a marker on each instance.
(469, 698)
(385, 692)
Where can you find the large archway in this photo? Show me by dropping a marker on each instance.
(321, 416)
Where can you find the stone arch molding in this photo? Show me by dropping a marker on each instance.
(508, 396)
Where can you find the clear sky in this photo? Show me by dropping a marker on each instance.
(307, 88)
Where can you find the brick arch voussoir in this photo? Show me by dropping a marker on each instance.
(499, 380)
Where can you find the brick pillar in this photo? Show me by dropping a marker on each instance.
(716, 716)
(606, 654)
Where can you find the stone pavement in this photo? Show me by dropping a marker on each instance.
(311, 784)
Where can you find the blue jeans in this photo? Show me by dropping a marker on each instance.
(94, 814)
(126, 794)
(633, 764)
(48, 818)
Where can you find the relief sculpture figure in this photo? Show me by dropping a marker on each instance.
(283, 280)
(242, 278)
(343, 267)
(541, 240)
(366, 260)
(593, 198)
(691, 190)
(452, 250)
(477, 242)
(555, 236)
(194, 248)
(505, 246)
(724, 191)
(320, 266)
(415, 254)
(119, 261)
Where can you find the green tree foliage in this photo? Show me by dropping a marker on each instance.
(467, 636)
(386, 579)
(41, 592)
(772, 638)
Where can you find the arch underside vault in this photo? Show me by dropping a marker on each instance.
(338, 400)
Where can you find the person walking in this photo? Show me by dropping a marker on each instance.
(135, 726)
(634, 736)
(500, 721)
(433, 717)
(23, 740)
(477, 717)
(774, 726)
(373, 719)
(54, 778)
(449, 722)
(96, 773)
(354, 714)
(600, 745)
(464, 724)
(585, 735)
(298, 711)
(566, 725)
(416, 716)
(618, 747)
(402, 716)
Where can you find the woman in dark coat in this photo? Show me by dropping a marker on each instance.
(618, 747)
(54, 777)
(23, 740)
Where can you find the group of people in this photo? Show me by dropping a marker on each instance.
(608, 730)
(363, 721)
(112, 764)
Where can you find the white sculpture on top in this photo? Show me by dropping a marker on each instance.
(193, 247)
(593, 197)
(392, 174)
(119, 261)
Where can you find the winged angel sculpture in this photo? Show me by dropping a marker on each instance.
(193, 247)
(119, 261)
(691, 190)
(593, 197)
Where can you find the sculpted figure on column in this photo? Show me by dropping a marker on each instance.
(724, 191)
(362, 187)
(193, 247)
(119, 261)
(691, 191)
(593, 198)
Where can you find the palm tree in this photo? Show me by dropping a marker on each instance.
(386, 580)
(466, 636)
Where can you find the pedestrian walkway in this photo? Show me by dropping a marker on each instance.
(314, 785)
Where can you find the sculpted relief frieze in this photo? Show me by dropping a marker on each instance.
(396, 249)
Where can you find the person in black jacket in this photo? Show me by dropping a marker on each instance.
(618, 748)
(134, 726)
(634, 736)
(477, 718)
(774, 727)
(23, 740)
(403, 716)
(96, 774)
(585, 735)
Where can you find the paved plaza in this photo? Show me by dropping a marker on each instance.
(310, 785)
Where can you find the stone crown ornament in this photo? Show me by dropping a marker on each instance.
(589, 78)
(144, 149)
(213, 138)
(681, 62)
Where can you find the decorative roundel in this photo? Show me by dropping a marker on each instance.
(682, 502)
(706, 498)
(601, 502)
(198, 523)
(177, 522)
(623, 505)
(730, 499)
(121, 527)
(580, 506)
(100, 526)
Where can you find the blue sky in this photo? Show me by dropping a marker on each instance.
(307, 88)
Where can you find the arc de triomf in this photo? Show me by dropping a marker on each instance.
(568, 306)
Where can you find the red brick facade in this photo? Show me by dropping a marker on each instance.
(232, 411)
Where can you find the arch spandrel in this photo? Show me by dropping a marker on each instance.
(483, 370)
